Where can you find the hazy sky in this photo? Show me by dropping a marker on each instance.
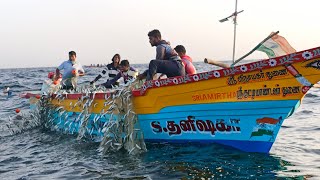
(37, 33)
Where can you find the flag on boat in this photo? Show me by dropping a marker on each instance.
(276, 46)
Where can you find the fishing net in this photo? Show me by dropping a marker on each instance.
(124, 130)
(39, 116)
(120, 128)
(116, 128)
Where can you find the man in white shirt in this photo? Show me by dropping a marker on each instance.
(71, 70)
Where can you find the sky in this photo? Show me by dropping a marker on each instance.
(40, 33)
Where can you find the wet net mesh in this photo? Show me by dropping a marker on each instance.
(124, 130)
(38, 117)
(120, 131)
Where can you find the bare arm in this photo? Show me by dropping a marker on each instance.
(57, 74)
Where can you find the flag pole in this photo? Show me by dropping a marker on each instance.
(255, 48)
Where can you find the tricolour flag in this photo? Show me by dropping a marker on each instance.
(276, 46)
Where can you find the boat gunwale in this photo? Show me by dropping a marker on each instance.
(231, 71)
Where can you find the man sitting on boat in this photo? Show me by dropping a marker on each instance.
(72, 69)
(167, 60)
(126, 72)
(186, 60)
(112, 69)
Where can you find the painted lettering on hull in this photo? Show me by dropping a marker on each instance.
(197, 125)
(267, 91)
(213, 96)
(257, 77)
(253, 93)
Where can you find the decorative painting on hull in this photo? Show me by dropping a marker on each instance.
(267, 126)
(237, 70)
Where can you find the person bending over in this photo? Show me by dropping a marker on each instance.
(186, 60)
(126, 72)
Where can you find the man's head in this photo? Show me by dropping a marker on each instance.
(124, 66)
(116, 59)
(154, 37)
(72, 56)
(180, 50)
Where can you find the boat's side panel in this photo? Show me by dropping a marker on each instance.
(272, 84)
(282, 78)
(249, 126)
(253, 86)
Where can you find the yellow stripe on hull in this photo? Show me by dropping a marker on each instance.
(271, 83)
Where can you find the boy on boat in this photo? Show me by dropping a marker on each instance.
(186, 60)
(167, 60)
(72, 69)
(126, 72)
(112, 69)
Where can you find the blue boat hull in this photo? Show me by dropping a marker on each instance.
(248, 126)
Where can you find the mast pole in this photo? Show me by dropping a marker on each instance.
(234, 31)
(234, 16)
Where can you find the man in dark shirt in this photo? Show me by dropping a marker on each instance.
(167, 60)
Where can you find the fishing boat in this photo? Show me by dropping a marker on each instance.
(242, 106)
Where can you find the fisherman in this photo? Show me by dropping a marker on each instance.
(126, 72)
(72, 69)
(167, 60)
(112, 69)
(186, 60)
